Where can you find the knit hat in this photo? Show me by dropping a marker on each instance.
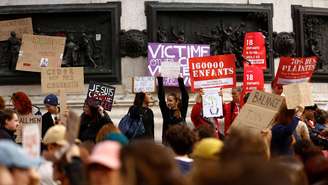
(118, 137)
(207, 148)
(55, 135)
(51, 99)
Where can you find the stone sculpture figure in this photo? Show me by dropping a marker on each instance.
(14, 45)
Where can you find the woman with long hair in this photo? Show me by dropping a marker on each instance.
(174, 110)
(140, 109)
(23, 105)
(92, 120)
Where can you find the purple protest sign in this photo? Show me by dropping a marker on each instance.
(159, 52)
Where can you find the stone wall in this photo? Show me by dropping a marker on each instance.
(133, 17)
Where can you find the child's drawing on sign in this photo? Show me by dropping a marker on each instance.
(44, 62)
(212, 105)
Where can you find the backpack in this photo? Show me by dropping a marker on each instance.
(131, 128)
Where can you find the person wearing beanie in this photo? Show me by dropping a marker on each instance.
(49, 118)
(118, 137)
(208, 148)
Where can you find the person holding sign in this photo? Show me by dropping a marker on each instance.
(8, 124)
(140, 108)
(198, 119)
(173, 110)
(92, 120)
(282, 132)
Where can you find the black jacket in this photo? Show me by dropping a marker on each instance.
(7, 134)
(90, 127)
(47, 122)
(147, 119)
(167, 114)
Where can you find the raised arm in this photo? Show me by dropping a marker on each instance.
(184, 98)
(161, 95)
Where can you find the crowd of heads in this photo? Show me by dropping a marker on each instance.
(189, 156)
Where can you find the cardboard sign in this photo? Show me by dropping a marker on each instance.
(170, 69)
(254, 49)
(253, 78)
(144, 84)
(295, 70)
(299, 94)
(213, 71)
(212, 103)
(63, 107)
(258, 112)
(32, 139)
(38, 51)
(180, 53)
(72, 127)
(26, 120)
(101, 94)
(19, 26)
(67, 79)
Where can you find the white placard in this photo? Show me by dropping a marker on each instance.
(212, 103)
(144, 84)
(32, 139)
(170, 69)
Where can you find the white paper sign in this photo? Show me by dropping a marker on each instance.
(144, 84)
(212, 103)
(32, 139)
(170, 69)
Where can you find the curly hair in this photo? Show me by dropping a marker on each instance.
(181, 139)
(22, 103)
(2, 103)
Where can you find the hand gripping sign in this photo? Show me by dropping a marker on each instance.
(213, 71)
(254, 49)
(295, 70)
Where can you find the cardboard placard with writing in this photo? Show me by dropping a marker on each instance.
(179, 53)
(101, 94)
(67, 79)
(298, 94)
(258, 112)
(38, 51)
(25, 120)
(295, 70)
(213, 71)
(63, 106)
(143, 84)
(19, 26)
(212, 103)
(32, 139)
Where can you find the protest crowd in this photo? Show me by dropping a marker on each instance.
(257, 138)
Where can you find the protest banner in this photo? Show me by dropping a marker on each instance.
(38, 51)
(254, 50)
(253, 78)
(295, 70)
(26, 120)
(101, 94)
(180, 53)
(67, 79)
(213, 71)
(19, 26)
(32, 139)
(212, 103)
(169, 69)
(258, 112)
(63, 107)
(298, 94)
(143, 84)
